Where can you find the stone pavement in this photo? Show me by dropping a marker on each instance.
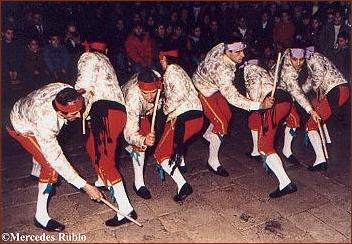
(232, 209)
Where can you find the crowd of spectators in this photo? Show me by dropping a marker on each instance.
(42, 41)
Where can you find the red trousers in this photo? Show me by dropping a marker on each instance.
(144, 129)
(165, 146)
(325, 109)
(30, 144)
(218, 111)
(272, 118)
(105, 166)
(292, 120)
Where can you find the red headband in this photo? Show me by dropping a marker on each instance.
(101, 46)
(171, 53)
(149, 86)
(71, 107)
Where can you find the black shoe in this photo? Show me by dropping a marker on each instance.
(183, 169)
(292, 159)
(320, 167)
(290, 188)
(34, 178)
(114, 221)
(219, 171)
(256, 158)
(52, 225)
(186, 190)
(102, 188)
(143, 192)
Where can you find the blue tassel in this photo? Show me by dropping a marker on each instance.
(135, 155)
(305, 138)
(161, 172)
(293, 133)
(265, 166)
(48, 189)
(111, 193)
(221, 137)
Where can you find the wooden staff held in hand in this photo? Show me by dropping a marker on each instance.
(119, 212)
(150, 137)
(276, 74)
(323, 140)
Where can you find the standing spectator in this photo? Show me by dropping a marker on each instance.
(223, 13)
(341, 55)
(73, 43)
(303, 29)
(263, 32)
(139, 48)
(328, 34)
(160, 38)
(174, 17)
(284, 31)
(242, 30)
(150, 26)
(185, 19)
(11, 56)
(35, 72)
(37, 28)
(116, 44)
(213, 36)
(178, 39)
(56, 58)
(268, 57)
(196, 46)
(315, 28)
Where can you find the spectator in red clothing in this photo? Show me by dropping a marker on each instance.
(284, 31)
(139, 49)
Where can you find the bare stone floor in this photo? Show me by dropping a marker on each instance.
(232, 209)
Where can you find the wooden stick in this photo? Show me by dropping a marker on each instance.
(83, 125)
(323, 140)
(119, 212)
(154, 110)
(276, 74)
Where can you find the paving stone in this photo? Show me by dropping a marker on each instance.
(250, 214)
(335, 217)
(277, 230)
(152, 232)
(298, 201)
(11, 216)
(97, 236)
(317, 228)
(216, 231)
(322, 184)
(259, 183)
(189, 218)
(86, 224)
(19, 197)
(229, 196)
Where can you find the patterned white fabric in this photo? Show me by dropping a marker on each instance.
(97, 76)
(217, 73)
(136, 106)
(258, 82)
(322, 75)
(34, 115)
(288, 81)
(180, 93)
